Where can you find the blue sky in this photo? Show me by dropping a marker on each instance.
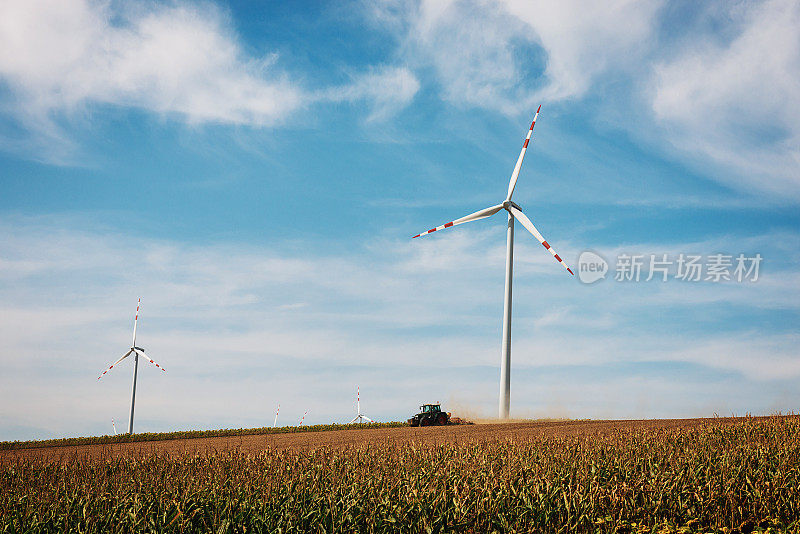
(254, 172)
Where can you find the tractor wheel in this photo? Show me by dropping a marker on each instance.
(441, 420)
(424, 421)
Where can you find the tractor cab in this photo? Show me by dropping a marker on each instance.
(430, 408)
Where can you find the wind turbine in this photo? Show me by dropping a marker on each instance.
(514, 212)
(136, 351)
(360, 417)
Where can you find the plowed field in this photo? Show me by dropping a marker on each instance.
(461, 434)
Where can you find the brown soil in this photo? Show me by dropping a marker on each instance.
(348, 438)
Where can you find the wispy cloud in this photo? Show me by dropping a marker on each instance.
(266, 323)
(733, 102)
(385, 89)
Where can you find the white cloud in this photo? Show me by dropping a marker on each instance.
(485, 53)
(58, 59)
(718, 83)
(735, 102)
(175, 58)
(584, 40)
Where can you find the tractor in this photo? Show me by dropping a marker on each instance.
(430, 415)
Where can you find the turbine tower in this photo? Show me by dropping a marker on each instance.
(514, 212)
(136, 351)
(360, 417)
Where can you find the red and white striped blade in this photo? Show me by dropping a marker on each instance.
(115, 363)
(512, 183)
(521, 217)
(136, 320)
(482, 214)
(143, 355)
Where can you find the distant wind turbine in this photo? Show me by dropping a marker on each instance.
(136, 351)
(514, 212)
(360, 417)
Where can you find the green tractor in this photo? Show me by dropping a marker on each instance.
(430, 415)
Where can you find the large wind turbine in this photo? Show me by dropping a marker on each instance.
(514, 212)
(136, 351)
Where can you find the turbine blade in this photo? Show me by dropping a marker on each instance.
(482, 214)
(512, 183)
(521, 217)
(367, 418)
(115, 363)
(143, 355)
(354, 420)
(135, 321)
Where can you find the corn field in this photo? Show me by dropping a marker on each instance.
(738, 477)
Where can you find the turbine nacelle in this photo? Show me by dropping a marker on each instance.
(510, 204)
